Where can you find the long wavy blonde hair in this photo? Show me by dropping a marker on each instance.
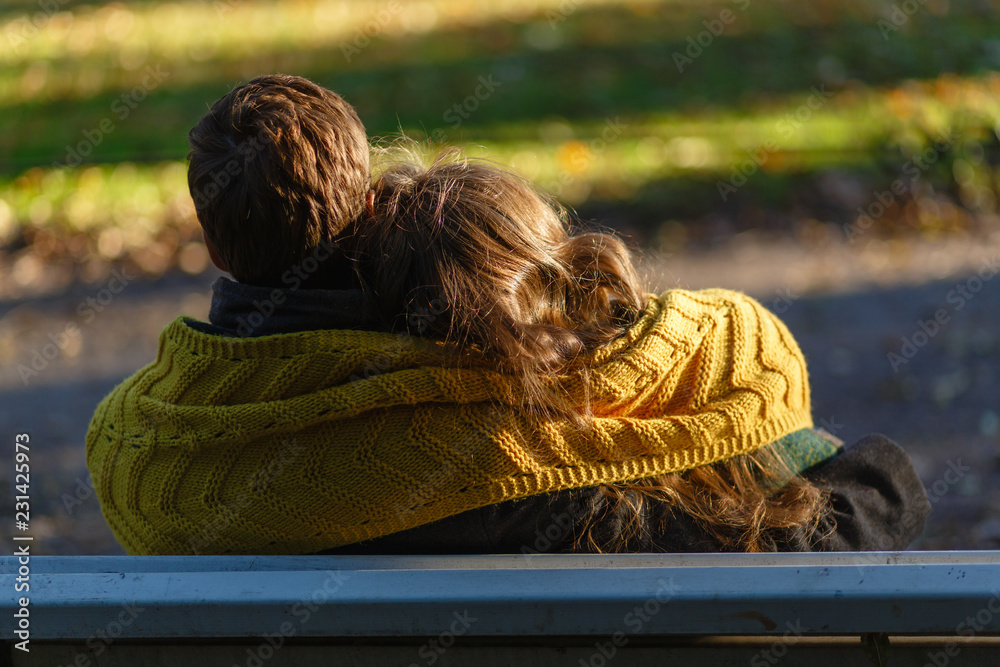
(466, 252)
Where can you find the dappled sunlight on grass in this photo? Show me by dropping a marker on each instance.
(600, 62)
(654, 109)
(611, 160)
(141, 214)
(81, 53)
(96, 49)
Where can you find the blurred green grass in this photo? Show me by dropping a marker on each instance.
(565, 71)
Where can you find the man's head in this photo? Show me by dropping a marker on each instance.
(279, 167)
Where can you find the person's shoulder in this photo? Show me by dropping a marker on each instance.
(871, 457)
(718, 305)
(710, 299)
(875, 450)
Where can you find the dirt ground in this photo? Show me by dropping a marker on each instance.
(851, 307)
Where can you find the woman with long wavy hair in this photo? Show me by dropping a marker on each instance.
(596, 417)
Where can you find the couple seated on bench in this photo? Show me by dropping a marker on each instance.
(431, 362)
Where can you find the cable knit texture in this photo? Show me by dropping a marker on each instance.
(300, 442)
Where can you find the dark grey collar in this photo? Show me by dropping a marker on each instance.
(248, 310)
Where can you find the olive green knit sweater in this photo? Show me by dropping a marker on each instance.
(300, 442)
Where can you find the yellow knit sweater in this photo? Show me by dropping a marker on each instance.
(301, 442)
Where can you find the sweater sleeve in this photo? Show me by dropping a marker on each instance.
(877, 502)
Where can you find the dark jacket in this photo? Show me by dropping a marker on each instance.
(877, 502)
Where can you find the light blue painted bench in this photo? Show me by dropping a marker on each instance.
(936, 608)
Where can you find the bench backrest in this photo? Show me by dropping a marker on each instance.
(603, 605)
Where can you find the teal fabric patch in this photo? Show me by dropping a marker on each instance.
(805, 448)
(802, 450)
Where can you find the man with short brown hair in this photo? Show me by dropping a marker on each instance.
(279, 167)
(279, 174)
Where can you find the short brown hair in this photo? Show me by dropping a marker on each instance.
(278, 168)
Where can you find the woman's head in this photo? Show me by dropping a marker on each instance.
(466, 252)
(469, 253)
